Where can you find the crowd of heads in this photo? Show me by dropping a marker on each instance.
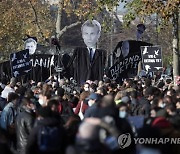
(89, 118)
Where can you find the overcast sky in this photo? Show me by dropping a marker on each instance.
(121, 9)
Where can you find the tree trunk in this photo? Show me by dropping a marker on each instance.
(176, 67)
(59, 18)
(59, 30)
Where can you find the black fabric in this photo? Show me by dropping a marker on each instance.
(32, 145)
(67, 111)
(83, 69)
(126, 67)
(3, 103)
(91, 54)
(144, 107)
(92, 111)
(5, 69)
(24, 125)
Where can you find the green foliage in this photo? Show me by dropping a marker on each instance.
(21, 17)
(167, 60)
(33, 17)
(140, 8)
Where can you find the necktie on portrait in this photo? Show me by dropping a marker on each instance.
(91, 54)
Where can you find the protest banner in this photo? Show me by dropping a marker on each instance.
(20, 63)
(126, 57)
(42, 66)
(152, 58)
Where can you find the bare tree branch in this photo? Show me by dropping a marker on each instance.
(59, 17)
(36, 20)
(60, 33)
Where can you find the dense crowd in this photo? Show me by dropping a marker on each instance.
(60, 117)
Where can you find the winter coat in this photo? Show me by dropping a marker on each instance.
(83, 68)
(24, 124)
(32, 145)
(8, 116)
(78, 107)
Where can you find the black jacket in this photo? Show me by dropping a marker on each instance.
(92, 111)
(83, 69)
(145, 107)
(32, 145)
(24, 125)
(3, 103)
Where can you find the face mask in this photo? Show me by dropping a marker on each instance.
(36, 95)
(90, 103)
(86, 89)
(122, 114)
(41, 102)
(162, 105)
(91, 90)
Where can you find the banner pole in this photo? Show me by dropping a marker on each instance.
(21, 80)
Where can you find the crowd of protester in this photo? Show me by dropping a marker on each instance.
(56, 118)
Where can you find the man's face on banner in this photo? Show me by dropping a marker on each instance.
(118, 53)
(90, 36)
(31, 46)
(125, 48)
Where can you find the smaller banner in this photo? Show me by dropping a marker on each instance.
(126, 57)
(152, 58)
(20, 63)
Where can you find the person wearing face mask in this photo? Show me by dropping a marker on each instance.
(82, 105)
(86, 87)
(24, 124)
(161, 103)
(94, 107)
(88, 62)
(123, 110)
(45, 95)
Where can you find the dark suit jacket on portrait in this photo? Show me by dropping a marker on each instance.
(82, 68)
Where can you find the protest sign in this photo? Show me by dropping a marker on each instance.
(126, 57)
(152, 58)
(20, 63)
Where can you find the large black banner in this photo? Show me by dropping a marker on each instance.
(20, 63)
(126, 57)
(152, 58)
(42, 65)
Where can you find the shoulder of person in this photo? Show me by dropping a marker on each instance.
(80, 48)
(101, 50)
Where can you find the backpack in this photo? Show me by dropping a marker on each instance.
(138, 110)
(49, 139)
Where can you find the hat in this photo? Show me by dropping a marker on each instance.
(141, 25)
(28, 37)
(93, 96)
(125, 99)
(161, 122)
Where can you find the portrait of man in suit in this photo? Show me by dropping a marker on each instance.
(123, 51)
(125, 48)
(89, 62)
(31, 45)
